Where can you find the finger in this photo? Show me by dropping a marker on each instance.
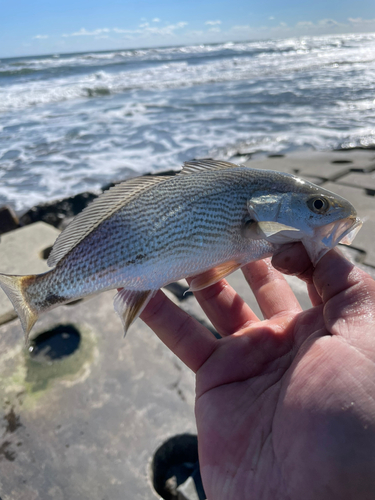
(294, 260)
(335, 274)
(184, 335)
(226, 310)
(270, 288)
(348, 295)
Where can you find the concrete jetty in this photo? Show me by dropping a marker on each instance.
(87, 414)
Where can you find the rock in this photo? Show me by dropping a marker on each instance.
(55, 212)
(8, 220)
(60, 212)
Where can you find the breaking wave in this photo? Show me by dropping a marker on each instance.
(72, 122)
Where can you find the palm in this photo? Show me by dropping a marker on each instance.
(280, 401)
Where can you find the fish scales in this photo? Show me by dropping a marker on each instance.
(148, 228)
(136, 231)
(212, 218)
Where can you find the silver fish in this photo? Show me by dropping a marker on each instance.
(207, 221)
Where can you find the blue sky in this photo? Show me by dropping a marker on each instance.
(31, 27)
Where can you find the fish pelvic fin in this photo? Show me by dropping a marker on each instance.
(214, 275)
(15, 289)
(130, 303)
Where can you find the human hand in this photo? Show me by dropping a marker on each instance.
(285, 407)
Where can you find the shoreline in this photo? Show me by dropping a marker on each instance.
(59, 212)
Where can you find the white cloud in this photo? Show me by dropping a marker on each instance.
(119, 30)
(84, 32)
(40, 37)
(145, 30)
(359, 20)
(213, 23)
(305, 24)
(328, 22)
(167, 30)
(283, 25)
(241, 28)
(214, 30)
(321, 26)
(271, 18)
(156, 20)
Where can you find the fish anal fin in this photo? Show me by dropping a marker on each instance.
(100, 209)
(194, 166)
(130, 303)
(214, 275)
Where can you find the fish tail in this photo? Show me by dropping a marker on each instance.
(15, 288)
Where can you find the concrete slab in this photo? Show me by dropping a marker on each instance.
(361, 180)
(86, 426)
(365, 206)
(363, 203)
(322, 165)
(22, 252)
(365, 242)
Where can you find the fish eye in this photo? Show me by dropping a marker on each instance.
(318, 204)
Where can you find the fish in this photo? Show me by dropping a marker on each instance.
(204, 223)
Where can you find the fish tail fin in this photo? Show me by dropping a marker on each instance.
(15, 288)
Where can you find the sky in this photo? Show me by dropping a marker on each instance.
(36, 27)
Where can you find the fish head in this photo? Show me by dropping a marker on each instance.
(330, 219)
(307, 213)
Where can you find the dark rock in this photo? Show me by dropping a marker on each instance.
(60, 212)
(8, 220)
(55, 212)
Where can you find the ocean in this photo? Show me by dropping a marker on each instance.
(75, 122)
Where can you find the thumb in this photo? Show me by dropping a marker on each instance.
(334, 274)
(348, 295)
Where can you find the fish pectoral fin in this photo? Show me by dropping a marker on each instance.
(278, 233)
(130, 303)
(214, 275)
(269, 228)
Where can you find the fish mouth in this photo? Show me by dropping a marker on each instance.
(327, 237)
(343, 231)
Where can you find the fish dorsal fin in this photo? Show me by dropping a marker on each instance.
(194, 166)
(100, 209)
